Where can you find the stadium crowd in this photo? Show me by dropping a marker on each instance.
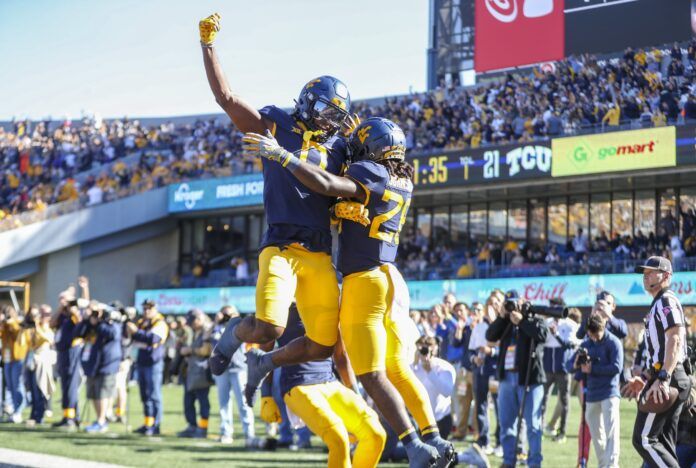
(94, 160)
(421, 258)
(459, 356)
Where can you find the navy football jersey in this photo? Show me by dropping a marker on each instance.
(307, 373)
(295, 213)
(363, 248)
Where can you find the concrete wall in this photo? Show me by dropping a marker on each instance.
(56, 271)
(112, 274)
(46, 237)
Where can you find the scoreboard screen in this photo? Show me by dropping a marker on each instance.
(482, 165)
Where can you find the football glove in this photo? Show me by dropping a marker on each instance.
(269, 410)
(352, 211)
(350, 124)
(208, 28)
(267, 147)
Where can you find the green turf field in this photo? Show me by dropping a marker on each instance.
(168, 451)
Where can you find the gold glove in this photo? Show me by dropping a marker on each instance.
(350, 124)
(208, 28)
(352, 211)
(269, 410)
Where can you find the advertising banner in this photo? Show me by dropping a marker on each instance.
(517, 32)
(614, 151)
(578, 291)
(227, 192)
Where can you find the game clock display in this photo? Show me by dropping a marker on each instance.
(482, 165)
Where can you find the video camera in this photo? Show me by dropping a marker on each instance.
(529, 310)
(583, 356)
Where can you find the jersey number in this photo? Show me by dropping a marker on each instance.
(400, 207)
(304, 153)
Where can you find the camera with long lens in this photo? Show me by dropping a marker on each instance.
(424, 350)
(528, 309)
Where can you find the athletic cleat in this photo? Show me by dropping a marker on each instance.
(445, 449)
(258, 367)
(422, 455)
(219, 360)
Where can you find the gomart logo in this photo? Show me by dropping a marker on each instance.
(188, 197)
(583, 154)
(614, 151)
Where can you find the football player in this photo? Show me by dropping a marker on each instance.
(294, 260)
(374, 302)
(330, 409)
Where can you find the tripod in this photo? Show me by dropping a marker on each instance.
(520, 412)
(582, 461)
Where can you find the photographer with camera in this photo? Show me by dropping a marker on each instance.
(232, 382)
(14, 350)
(522, 336)
(605, 306)
(149, 335)
(101, 357)
(437, 376)
(39, 361)
(69, 349)
(598, 363)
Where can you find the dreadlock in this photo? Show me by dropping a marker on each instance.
(398, 168)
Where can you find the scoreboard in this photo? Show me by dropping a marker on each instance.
(482, 165)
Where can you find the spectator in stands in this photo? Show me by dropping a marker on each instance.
(197, 383)
(437, 376)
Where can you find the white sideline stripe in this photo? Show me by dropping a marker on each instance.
(646, 445)
(41, 460)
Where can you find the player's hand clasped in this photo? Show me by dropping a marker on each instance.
(208, 28)
(352, 211)
(268, 147)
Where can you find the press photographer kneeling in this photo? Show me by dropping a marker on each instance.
(598, 362)
(101, 357)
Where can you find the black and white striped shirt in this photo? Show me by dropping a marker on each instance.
(666, 312)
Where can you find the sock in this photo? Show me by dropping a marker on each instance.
(429, 433)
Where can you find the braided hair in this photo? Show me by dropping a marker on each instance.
(398, 168)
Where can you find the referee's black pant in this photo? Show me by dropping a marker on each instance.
(655, 435)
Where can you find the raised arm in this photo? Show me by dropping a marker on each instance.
(243, 115)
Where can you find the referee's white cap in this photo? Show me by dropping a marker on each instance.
(655, 263)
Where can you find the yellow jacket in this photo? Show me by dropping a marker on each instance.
(14, 341)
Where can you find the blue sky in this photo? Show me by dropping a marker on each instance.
(142, 58)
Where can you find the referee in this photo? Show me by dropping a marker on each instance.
(655, 434)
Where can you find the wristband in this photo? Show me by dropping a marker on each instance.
(206, 46)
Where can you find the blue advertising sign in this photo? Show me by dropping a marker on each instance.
(210, 194)
(578, 291)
